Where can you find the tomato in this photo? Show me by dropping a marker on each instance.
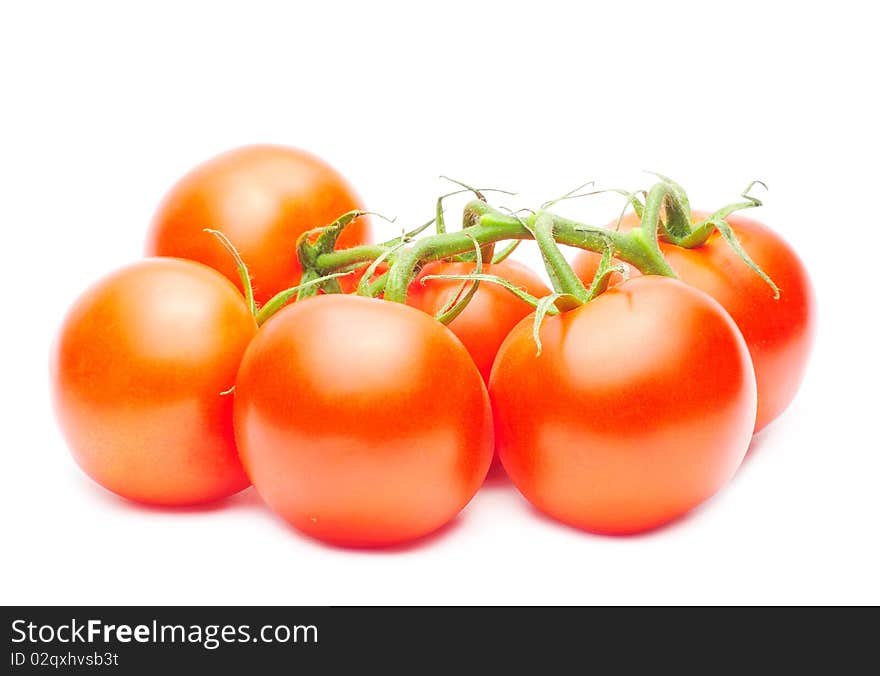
(780, 332)
(137, 373)
(491, 313)
(360, 421)
(640, 406)
(262, 198)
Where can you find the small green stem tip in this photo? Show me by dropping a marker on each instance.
(243, 273)
(458, 302)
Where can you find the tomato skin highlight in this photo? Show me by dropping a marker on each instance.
(137, 372)
(360, 421)
(491, 313)
(262, 197)
(640, 406)
(779, 333)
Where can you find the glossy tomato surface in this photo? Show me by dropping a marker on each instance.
(360, 421)
(778, 332)
(262, 197)
(137, 373)
(491, 313)
(640, 406)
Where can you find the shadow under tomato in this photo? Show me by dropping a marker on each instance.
(497, 476)
(655, 531)
(760, 440)
(244, 499)
(424, 541)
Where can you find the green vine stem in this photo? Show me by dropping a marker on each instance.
(603, 272)
(280, 299)
(460, 299)
(563, 278)
(356, 257)
(366, 284)
(672, 199)
(665, 215)
(490, 225)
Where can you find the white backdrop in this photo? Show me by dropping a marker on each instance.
(105, 105)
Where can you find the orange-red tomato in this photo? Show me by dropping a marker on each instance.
(137, 373)
(360, 421)
(491, 313)
(640, 406)
(780, 332)
(262, 198)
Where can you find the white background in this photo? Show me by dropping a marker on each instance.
(105, 105)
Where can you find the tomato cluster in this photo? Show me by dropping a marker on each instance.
(366, 422)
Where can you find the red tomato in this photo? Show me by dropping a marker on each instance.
(262, 198)
(492, 312)
(360, 421)
(780, 332)
(137, 374)
(640, 407)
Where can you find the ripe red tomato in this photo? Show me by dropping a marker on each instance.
(137, 373)
(360, 421)
(640, 406)
(780, 332)
(491, 313)
(262, 198)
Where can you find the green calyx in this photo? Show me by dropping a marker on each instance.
(677, 228)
